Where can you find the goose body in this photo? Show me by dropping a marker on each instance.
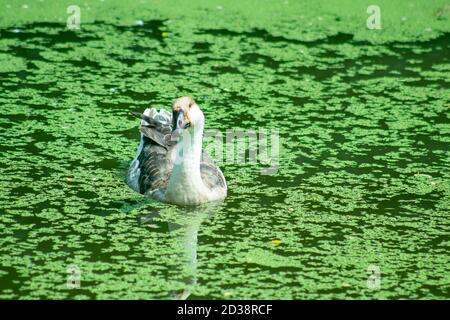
(170, 165)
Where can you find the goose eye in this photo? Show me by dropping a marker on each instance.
(180, 123)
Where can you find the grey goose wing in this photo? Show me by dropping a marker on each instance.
(152, 166)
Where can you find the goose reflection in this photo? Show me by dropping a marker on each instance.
(186, 236)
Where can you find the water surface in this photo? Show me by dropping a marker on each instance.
(363, 178)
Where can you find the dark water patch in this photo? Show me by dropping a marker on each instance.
(28, 53)
(141, 96)
(152, 28)
(224, 69)
(201, 47)
(37, 31)
(84, 63)
(267, 36)
(254, 58)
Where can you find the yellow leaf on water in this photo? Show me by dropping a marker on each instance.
(276, 242)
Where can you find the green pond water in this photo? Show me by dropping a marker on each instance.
(362, 180)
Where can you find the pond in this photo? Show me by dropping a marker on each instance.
(361, 190)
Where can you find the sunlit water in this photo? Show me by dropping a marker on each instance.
(362, 183)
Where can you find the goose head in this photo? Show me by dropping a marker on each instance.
(186, 114)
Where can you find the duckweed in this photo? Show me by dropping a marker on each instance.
(364, 168)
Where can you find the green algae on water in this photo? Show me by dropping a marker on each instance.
(364, 168)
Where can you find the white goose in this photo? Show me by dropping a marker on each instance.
(170, 164)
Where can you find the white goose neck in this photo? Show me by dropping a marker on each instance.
(185, 184)
(189, 148)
